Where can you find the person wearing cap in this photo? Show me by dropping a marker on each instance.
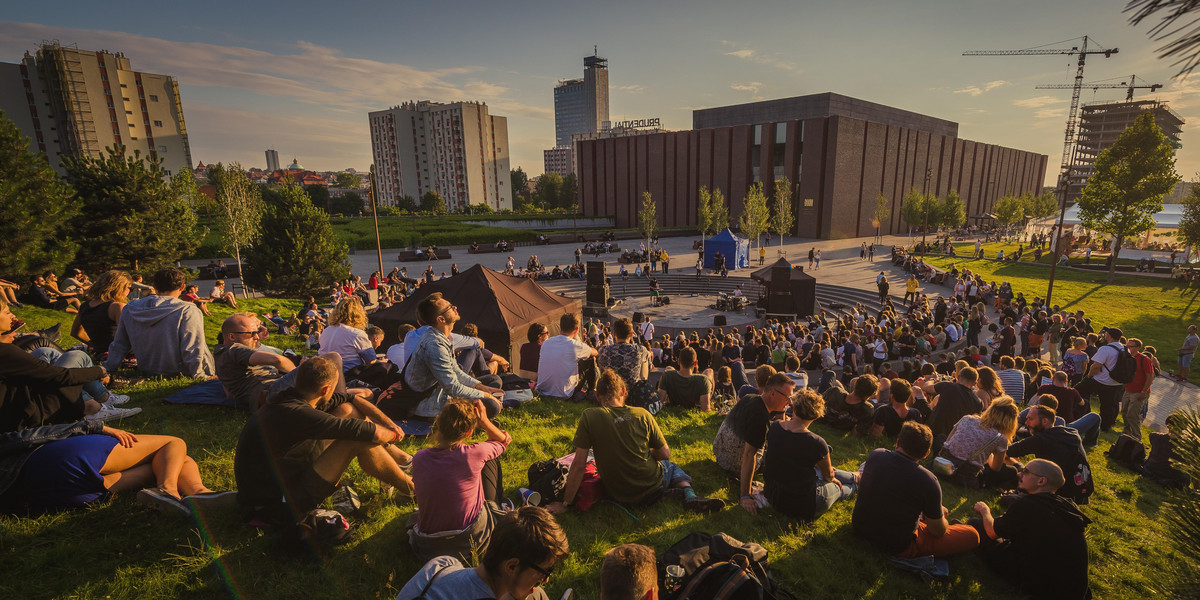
(1038, 544)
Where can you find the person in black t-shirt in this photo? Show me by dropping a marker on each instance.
(1061, 446)
(851, 409)
(739, 441)
(899, 507)
(951, 400)
(890, 418)
(799, 477)
(1044, 552)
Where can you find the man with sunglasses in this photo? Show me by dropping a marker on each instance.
(165, 333)
(245, 369)
(431, 365)
(1038, 544)
(1060, 445)
(526, 545)
(738, 445)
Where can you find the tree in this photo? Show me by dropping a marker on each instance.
(1041, 206)
(239, 207)
(1009, 211)
(783, 215)
(407, 203)
(720, 211)
(951, 210)
(348, 181)
(756, 217)
(184, 185)
(37, 206)
(349, 203)
(433, 203)
(1189, 224)
(548, 191)
(883, 210)
(130, 217)
(320, 197)
(1181, 513)
(566, 195)
(1131, 179)
(298, 255)
(520, 184)
(648, 217)
(916, 209)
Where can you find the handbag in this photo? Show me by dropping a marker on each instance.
(957, 470)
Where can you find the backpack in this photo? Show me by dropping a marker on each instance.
(548, 478)
(643, 394)
(718, 567)
(1128, 452)
(1126, 368)
(315, 535)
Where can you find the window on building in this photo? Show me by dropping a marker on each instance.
(158, 123)
(129, 112)
(124, 86)
(162, 148)
(153, 98)
(168, 173)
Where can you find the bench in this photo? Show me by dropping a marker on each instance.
(489, 249)
(412, 256)
(209, 273)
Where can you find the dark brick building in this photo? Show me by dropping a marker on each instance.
(843, 153)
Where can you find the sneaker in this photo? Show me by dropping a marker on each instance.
(110, 413)
(211, 501)
(704, 504)
(116, 399)
(163, 502)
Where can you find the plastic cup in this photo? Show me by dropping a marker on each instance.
(530, 497)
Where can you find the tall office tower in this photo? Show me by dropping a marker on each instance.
(74, 102)
(1099, 127)
(580, 107)
(272, 160)
(457, 150)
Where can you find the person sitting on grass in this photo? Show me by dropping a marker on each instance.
(346, 334)
(632, 456)
(66, 466)
(684, 388)
(983, 440)
(191, 294)
(888, 419)
(739, 442)
(96, 323)
(798, 475)
(1040, 529)
(165, 333)
(41, 296)
(220, 296)
(247, 372)
(852, 410)
(899, 507)
(629, 572)
(294, 450)
(566, 365)
(526, 545)
(1060, 445)
(458, 485)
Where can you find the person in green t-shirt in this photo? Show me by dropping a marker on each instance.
(631, 454)
(685, 387)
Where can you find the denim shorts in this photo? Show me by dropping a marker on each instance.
(673, 474)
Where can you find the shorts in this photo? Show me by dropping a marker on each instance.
(60, 475)
(673, 474)
(1185, 360)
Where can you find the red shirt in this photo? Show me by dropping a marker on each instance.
(1144, 370)
(188, 297)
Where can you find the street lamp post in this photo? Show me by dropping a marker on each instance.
(925, 227)
(1058, 236)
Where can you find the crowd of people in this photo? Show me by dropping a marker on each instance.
(965, 386)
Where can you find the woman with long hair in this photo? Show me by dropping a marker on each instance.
(457, 485)
(983, 440)
(346, 334)
(988, 386)
(799, 477)
(96, 323)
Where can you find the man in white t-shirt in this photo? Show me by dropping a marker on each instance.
(1099, 381)
(646, 330)
(558, 367)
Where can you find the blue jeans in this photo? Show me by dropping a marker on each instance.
(1088, 426)
(73, 359)
(828, 493)
(673, 475)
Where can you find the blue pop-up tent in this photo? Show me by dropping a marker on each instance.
(735, 249)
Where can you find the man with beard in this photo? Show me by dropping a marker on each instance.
(432, 365)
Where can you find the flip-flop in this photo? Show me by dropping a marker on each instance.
(165, 503)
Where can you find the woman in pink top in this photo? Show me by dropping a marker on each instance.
(457, 484)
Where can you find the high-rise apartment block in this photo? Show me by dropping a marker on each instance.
(1099, 127)
(457, 150)
(580, 107)
(76, 103)
(272, 160)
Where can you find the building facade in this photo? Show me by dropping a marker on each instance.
(272, 160)
(458, 150)
(580, 108)
(76, 103)
(839, 164)
(1099, 127)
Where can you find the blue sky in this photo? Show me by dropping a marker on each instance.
(302, 78)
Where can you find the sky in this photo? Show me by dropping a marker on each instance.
(302, 78)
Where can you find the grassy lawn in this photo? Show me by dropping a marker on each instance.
(1156, 310)
(116, 549)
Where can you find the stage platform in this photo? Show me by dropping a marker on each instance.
(684, 314)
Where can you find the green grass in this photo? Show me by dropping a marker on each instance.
(116, 549)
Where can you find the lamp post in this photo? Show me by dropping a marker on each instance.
(925, 227)
(1058, 235)
(375, 216)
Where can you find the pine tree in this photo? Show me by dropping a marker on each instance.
(297, 254)
(37, 206)
(131, 216)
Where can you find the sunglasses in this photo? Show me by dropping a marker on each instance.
(545, 573)
(1026, 471)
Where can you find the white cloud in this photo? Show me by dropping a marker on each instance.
(991, 85)
(1050, 113)
(751, 55)
(743, 53)
(631, 89)
(975, 90)
(751, 87)
(972, 90)
(1038, 101)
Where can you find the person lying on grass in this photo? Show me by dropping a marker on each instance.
(294, 450)
(632, 456)
(458, 485)
(60, 467)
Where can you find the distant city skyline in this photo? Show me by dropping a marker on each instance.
(304, 86)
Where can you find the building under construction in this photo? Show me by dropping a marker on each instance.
(1099, 127)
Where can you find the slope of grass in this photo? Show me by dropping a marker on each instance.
(116, 549)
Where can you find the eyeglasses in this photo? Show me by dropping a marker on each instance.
(447, 309)
(1026, 471)
(544, 572)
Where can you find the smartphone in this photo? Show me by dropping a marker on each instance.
(16, 325)
(567, 595)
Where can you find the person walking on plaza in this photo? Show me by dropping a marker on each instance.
(882, 282)
(811, 256)
(818, 267)
(862, 252)
(1186, 352)
(666, 261)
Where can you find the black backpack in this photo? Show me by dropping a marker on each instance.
(1126, 367)
(718, 567)
(1128, 452)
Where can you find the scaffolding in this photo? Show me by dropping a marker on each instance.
(1099, 127)
(62, 70)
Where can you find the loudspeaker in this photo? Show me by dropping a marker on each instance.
(781, 280)
(638, 317)
(719, 321)
(595, 272)
(597, 294)
(780, 303)
(665, 300)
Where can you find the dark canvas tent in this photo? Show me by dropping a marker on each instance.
(503, 308)
(789, 289)
(735, 249)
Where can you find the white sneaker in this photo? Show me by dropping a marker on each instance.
(109, 413)
(116, 399)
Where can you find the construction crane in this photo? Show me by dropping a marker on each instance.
(1129, 87)
(1082, 53)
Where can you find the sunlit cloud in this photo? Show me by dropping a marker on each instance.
(1038, 101)
(754, 56)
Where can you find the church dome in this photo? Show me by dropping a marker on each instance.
(295, 166)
